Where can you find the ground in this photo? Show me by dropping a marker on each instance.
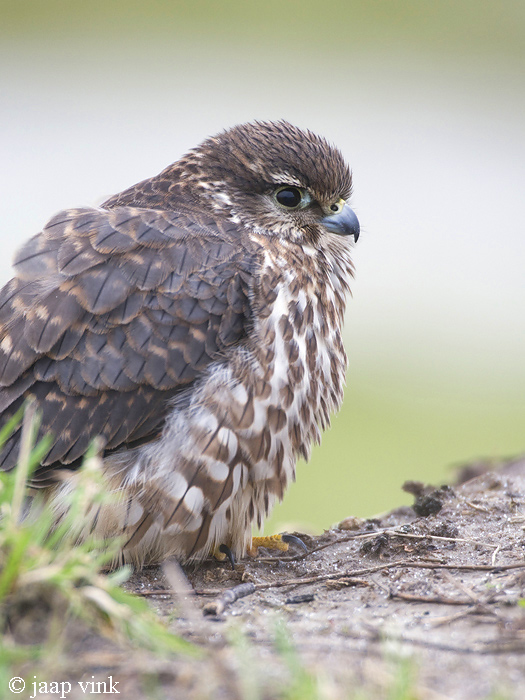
(419, 603)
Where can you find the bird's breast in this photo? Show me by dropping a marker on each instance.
(299, 353)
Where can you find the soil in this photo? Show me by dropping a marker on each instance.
(430, 596)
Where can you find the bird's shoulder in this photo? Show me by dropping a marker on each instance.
(98, 269)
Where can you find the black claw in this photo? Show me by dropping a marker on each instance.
(292, 539)
(224, 549)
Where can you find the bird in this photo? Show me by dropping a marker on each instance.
(192, 324)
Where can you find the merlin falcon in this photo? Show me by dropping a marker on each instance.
(193, 323)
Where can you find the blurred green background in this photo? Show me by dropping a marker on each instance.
(425, 98)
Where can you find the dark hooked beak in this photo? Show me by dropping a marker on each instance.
(345, 223)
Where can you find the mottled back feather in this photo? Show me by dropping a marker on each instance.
(103, 331)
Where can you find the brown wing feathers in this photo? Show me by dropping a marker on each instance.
(110, 314)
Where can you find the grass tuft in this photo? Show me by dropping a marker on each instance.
(50, 579)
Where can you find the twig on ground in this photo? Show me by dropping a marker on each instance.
(495, 554)
(438, 600)
(229, 596)
(439, 538)
(473, 610)
(506, 646)
(461, 586)
(348, 581)
(476, 507)
(517, 519)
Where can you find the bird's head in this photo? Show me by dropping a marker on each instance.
(273, 178)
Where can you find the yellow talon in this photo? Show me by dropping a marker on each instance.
(270, 542)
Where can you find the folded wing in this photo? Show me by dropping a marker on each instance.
(111, 314)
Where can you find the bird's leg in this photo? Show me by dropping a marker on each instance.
(279, 542)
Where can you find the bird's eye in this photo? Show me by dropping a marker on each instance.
(338, 206)
(289, 197)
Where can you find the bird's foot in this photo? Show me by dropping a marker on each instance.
(223, 552)
(279, 542)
